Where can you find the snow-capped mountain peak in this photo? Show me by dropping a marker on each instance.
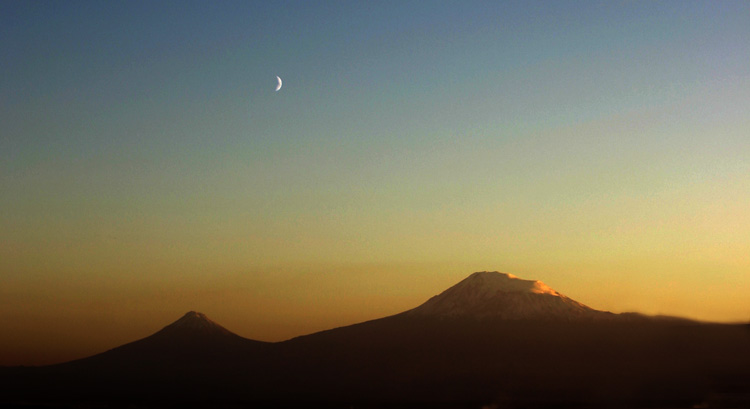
(489, 283)
(491, 294)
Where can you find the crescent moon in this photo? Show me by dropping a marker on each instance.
(278, 86)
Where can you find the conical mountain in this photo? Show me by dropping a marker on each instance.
(190, 359)
(495, 295)
(194, 324)
(192, 338)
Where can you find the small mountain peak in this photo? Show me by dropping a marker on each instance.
(194, 315)
(194, 322)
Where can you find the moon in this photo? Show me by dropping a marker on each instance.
(278, 86)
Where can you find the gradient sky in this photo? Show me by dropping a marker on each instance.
(148, 168)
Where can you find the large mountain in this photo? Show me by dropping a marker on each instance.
(504, 296)
(490, 339)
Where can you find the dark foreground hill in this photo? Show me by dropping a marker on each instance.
(492, 339)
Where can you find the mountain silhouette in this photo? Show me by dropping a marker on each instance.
(194, 324)
(191, 340)
(490, 339)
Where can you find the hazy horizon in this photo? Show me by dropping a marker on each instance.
(44, 354)
(148, 167)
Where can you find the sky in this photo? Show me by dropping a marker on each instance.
(148, 167)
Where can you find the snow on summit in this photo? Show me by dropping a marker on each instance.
(488, 283)
(490, 294)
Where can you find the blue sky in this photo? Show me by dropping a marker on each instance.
(585, 144)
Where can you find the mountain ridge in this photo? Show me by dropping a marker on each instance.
(497, 336)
